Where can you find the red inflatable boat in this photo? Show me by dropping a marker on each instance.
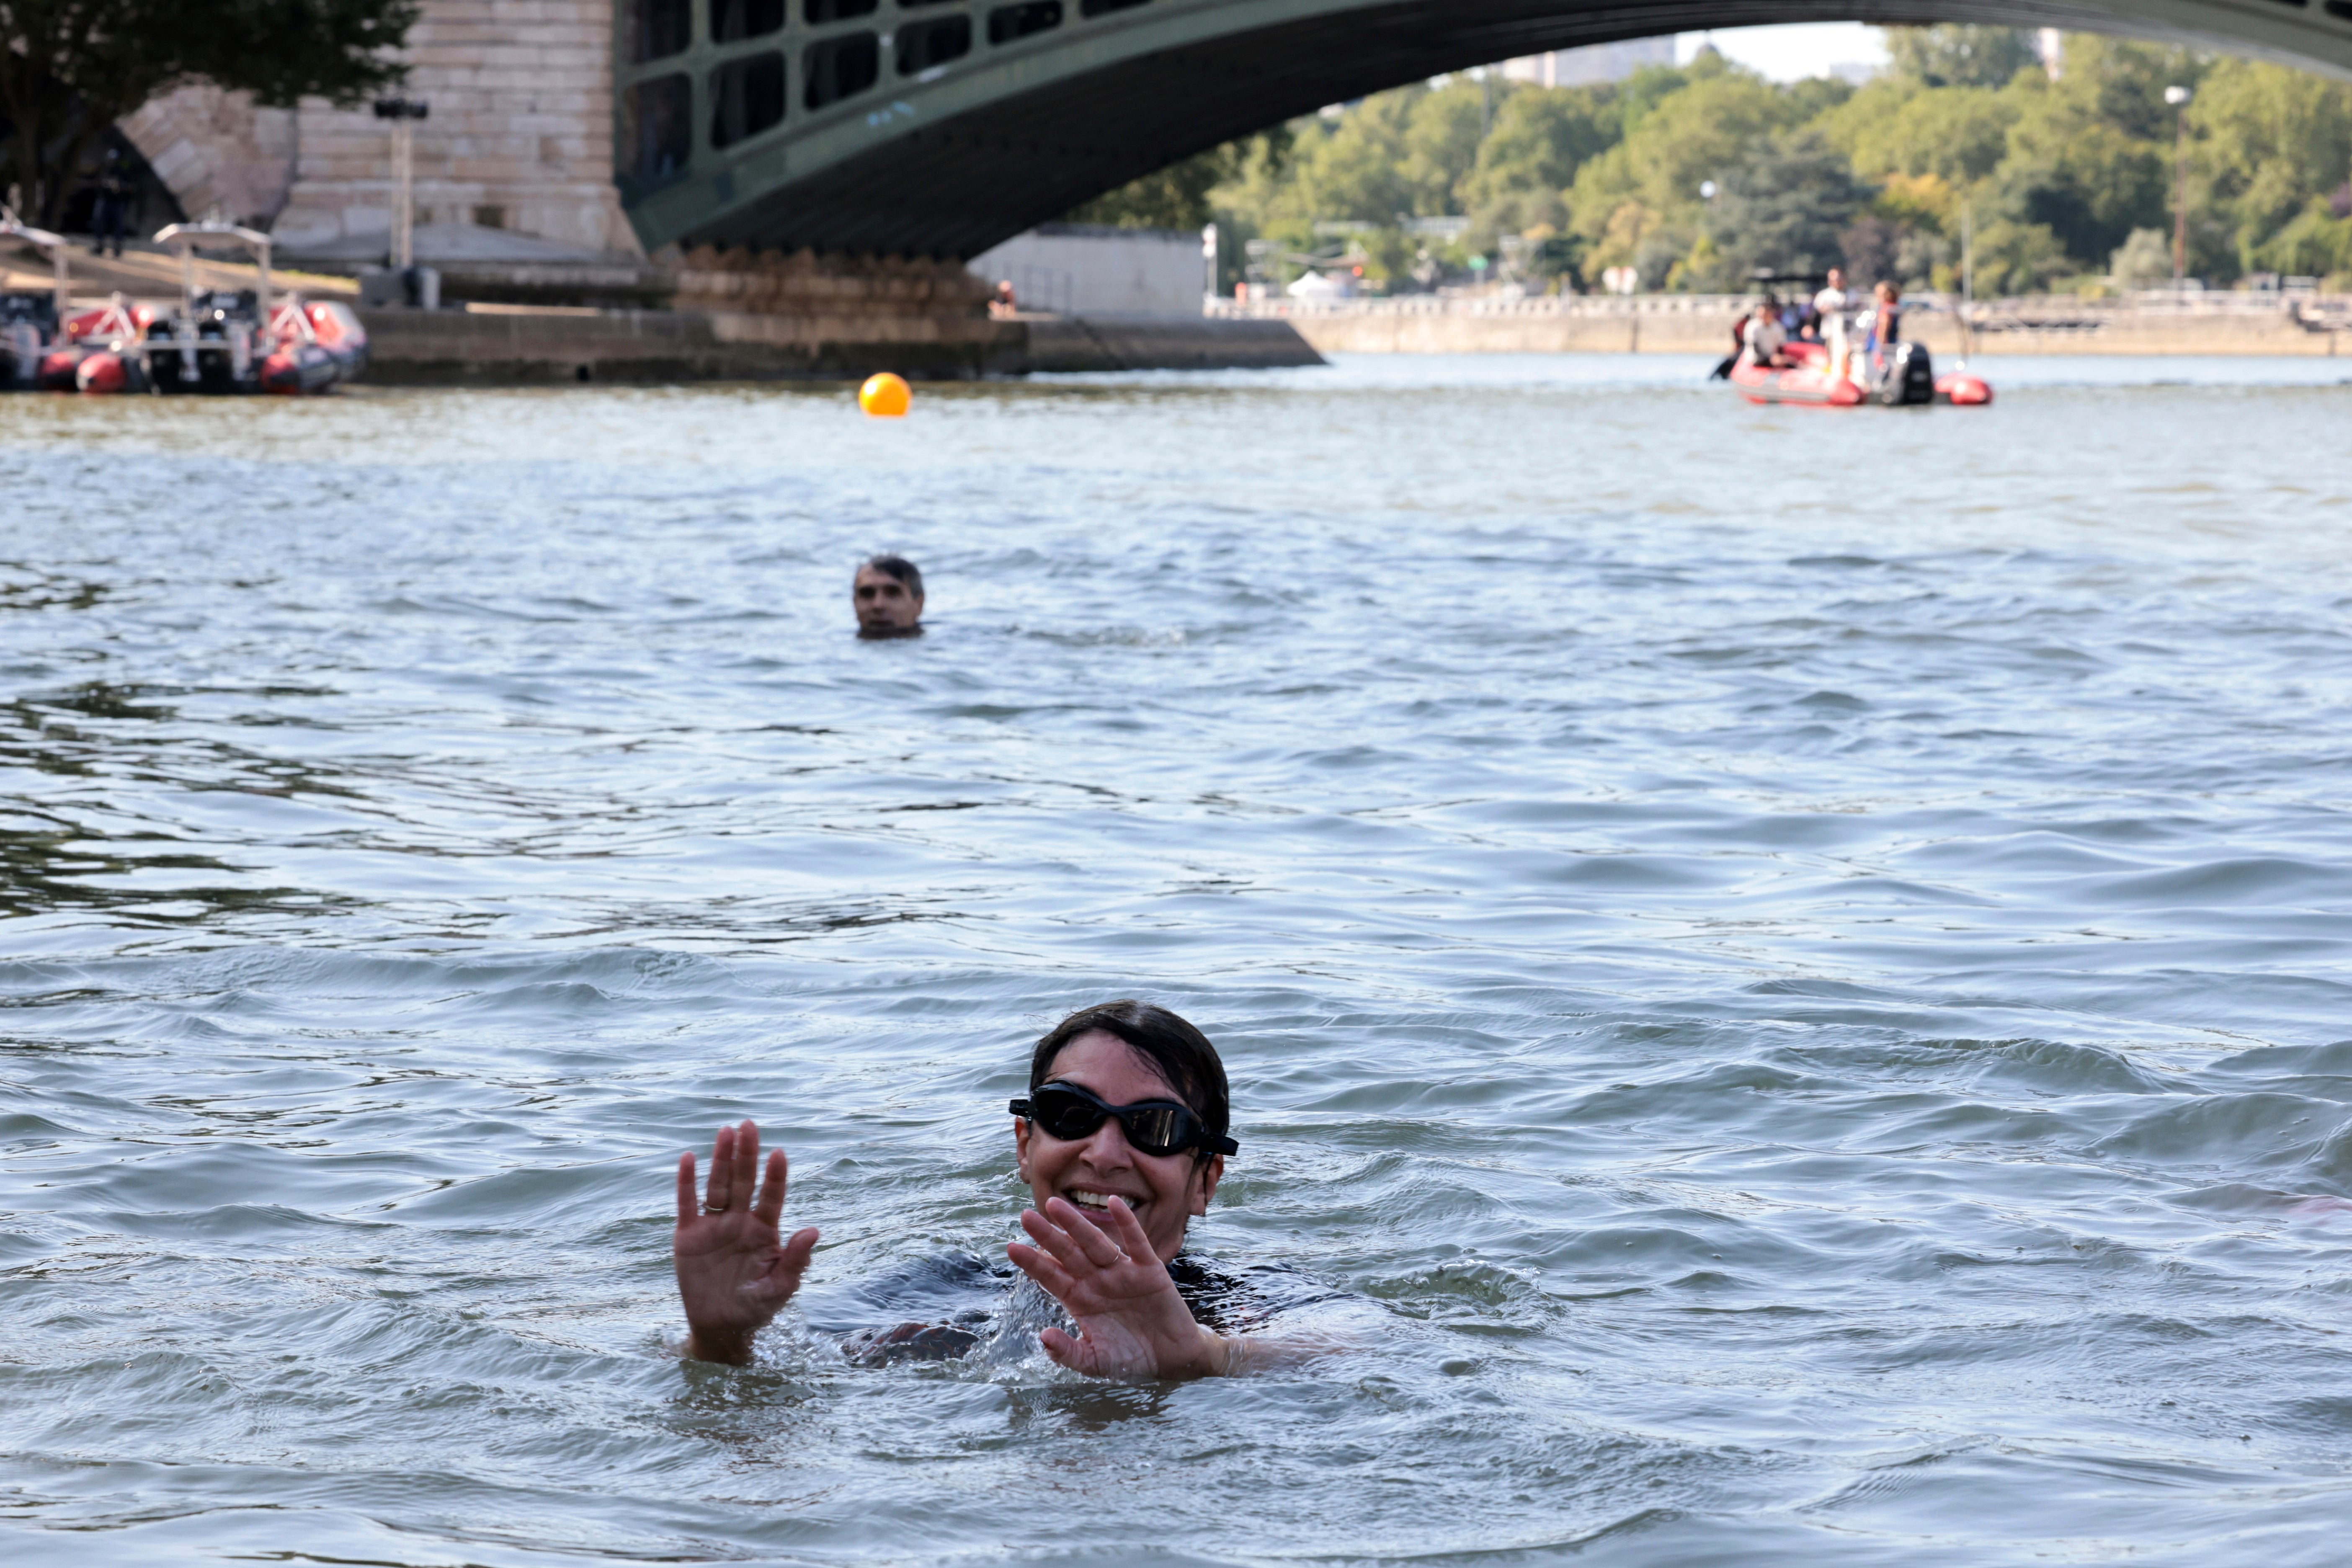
(218, 341)
(1900, 375)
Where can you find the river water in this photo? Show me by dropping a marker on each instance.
(1795, 963)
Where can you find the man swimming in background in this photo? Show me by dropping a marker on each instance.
(887, 594)
(1122, 1141)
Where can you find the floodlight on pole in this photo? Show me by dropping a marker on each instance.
(2179, 97)
(403, 113)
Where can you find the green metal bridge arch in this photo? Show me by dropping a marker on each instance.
(942, 127)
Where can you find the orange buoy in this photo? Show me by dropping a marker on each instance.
(885, 397)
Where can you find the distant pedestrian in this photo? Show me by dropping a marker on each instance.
(111, 212)
(887, 594)
(1003, 304)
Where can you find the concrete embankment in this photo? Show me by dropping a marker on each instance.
(1709, 332)
(522, 346)
(1083, 344)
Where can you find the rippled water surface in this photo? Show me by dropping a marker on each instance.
(1797, 963)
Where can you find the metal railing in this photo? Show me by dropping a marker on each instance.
(2021, 313)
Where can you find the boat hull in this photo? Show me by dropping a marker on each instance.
(1900, 376)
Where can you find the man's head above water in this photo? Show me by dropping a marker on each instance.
(887, 594)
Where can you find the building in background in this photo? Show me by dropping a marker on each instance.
(2050, 45)
(1092, 270)
(1598, 63)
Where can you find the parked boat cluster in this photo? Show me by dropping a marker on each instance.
(214, 340)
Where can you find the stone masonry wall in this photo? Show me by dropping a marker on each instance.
(217, 151)
(520, 135)
(804, 285)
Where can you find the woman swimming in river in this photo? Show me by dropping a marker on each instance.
(1122, 1140)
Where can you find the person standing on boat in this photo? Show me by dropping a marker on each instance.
(1886, 320)
(1830, 305)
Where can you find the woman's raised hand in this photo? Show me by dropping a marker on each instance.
(734, 1270)
(1131, 1320)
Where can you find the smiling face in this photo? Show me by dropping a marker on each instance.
(1164, 1190)
(885, 606)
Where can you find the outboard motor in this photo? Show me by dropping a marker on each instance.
(1908, 376)
(210, 350)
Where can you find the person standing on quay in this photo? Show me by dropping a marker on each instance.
(111, 212)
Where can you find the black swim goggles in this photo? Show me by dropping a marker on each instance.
(1066, 1112)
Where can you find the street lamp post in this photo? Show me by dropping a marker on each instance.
(2179, 97)
(403, 113)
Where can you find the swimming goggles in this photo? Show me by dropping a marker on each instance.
(1161, 1126)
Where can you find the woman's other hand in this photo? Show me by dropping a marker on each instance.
(734, 1270)
(1131, 1320)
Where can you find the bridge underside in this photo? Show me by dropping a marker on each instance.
(956, 184)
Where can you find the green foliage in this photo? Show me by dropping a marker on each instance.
(1702, 134)
(1959, 56)
(1785, 209)
(72, 68)
(2268, 140)
(1541, 136)
(1395, 154)
(2142, 260)
(2317, 244)
(1175, 197)
(2065, 177)
(2083, 179)
(2014, 257)
(1896, 127)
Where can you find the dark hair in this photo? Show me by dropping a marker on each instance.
(901, 568)
(1180, 1052)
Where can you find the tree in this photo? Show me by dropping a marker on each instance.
(2317, 244)
(1174, 197)
(1700, 134)
(1442, 130)
(1541, 136)
(1786, 209)
(70, 69)
(1894, 127)
(2088, 182)
(2144, 259)
(1951, 56)
(1354, 168)
(2268, 141)
(2121, 84)
(2059, 173)
(2015, 257)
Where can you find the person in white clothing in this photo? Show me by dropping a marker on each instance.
(1764, 337)
(1830, 305)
